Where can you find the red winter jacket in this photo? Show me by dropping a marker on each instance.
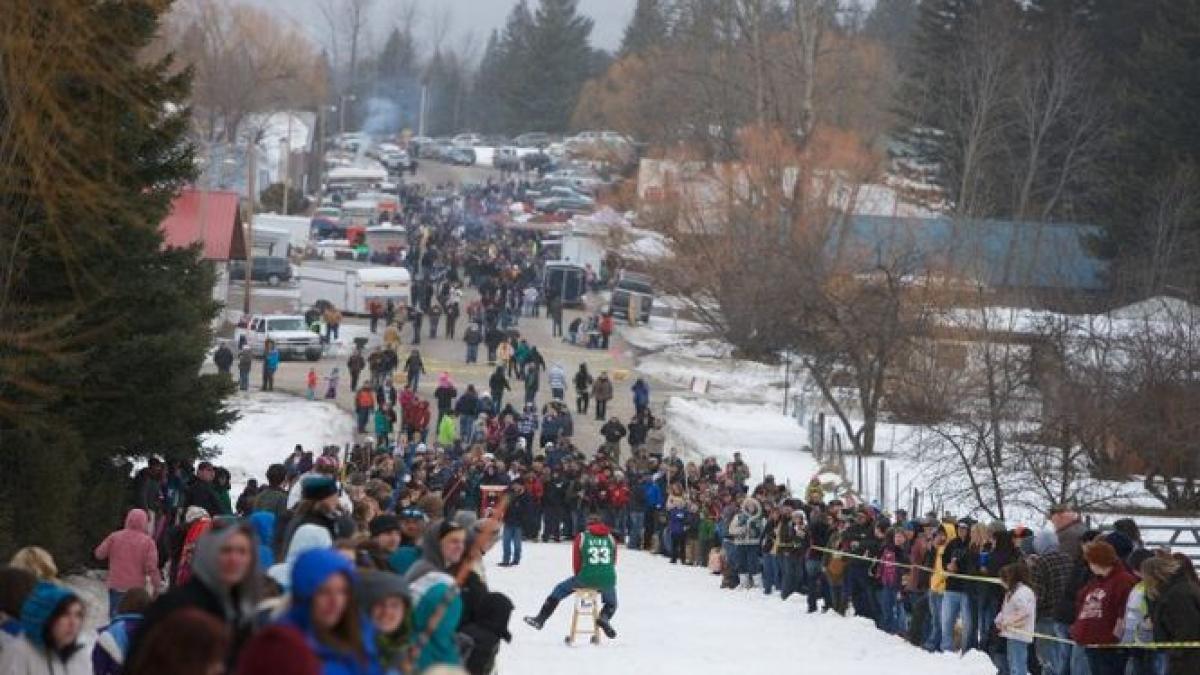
(1098, 606)
(417, 416)
(618, 496)
(596, 529)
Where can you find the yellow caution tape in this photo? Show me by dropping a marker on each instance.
(993, 580)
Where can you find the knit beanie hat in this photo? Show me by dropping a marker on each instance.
(1120, 543)
(317, 488)
(384, 523)
(278, 649)
(1100, 553)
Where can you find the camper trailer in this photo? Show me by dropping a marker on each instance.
(565, 280)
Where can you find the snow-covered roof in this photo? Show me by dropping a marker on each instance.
(1158, 308)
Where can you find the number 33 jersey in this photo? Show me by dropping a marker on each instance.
(596, 558)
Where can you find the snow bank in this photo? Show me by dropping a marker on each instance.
(728, 378)
(269, 427)
(674, 619)
(769, 442)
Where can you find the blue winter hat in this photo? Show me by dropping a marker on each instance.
(41, 605)
(314, 568)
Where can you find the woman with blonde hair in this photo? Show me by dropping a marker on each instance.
(1174, 609)
(37, 561)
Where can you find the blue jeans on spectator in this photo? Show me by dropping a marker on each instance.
(934, 642)
(244, 380)
(1018, 657)
(770, 572)
(791, 575)
(114, 600)
(472, 353)
(955, 604)
(1052, 655)
(637, 528)
(888, 620)
(816, 584)
(986, 608)
(858, 587)
(1106, 661)
(466, 428)
(512, 543)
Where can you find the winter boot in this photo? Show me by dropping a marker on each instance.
(603, 623)
(749, 581)
(548, 608)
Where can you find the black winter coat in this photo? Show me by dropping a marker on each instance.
(1176, 617)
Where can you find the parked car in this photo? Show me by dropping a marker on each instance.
(637, 286)
(289, 332)
(272, 270)
(533, 139)
(461, 156)
(468, 140)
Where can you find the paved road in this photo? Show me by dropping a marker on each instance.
(441, 354)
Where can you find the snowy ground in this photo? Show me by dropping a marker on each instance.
(676, 620)
(269, 427)
(770, 443)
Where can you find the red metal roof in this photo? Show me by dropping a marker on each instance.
(209, 215)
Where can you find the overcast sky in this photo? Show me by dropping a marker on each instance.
(468, 17)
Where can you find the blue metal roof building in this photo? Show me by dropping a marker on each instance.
(1000, 254)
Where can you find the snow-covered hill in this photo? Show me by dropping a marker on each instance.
(676, 619)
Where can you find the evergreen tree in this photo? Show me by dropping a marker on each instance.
(487, 112)
(398, 60)
(648, 29)
(561, 62)
(104, 332)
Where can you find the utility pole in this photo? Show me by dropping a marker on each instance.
(421, 117)
(252, 169)
(287, 163)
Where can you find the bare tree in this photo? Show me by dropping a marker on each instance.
(348, 22)
(764, 255)
(245, 62)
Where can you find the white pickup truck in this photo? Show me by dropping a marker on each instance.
(288, 331)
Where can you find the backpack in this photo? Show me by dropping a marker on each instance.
(188, 554)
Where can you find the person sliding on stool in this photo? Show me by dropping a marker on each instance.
(595, 562)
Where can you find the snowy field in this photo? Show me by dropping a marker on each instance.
(675, 619)
(769, 442)
(269, 427)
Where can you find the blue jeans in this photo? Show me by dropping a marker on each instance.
(244, 380)
(1106, 661)
(466, 428)
(770, 572)
(791, 575)
(934, 641)
(472, 353)
(888, 620)
(512, 543)
(816, 584)
(986, 608)
(1051, 654)
(858, 588)
(114, 600)
(608, 595)
(955, 604)
(637, 528)
(1074, 657)
(1018, 657)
